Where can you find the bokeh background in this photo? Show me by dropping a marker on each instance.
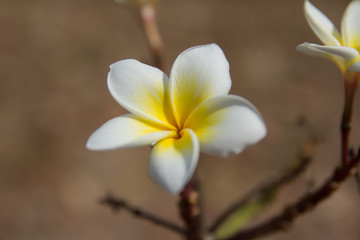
(54, 59)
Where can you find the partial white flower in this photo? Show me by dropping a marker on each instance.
(180, 116)
(342, 48)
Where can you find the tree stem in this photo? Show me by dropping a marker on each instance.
(190, 212)
(351, 82)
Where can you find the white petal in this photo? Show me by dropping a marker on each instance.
(340, 55)
(350, 25)
(355, 67)
(346, 53)
(226, 124)
(126, 131)
(142, 90)
(173, 161)
(198, 73)
(321, 25)
(310, 49)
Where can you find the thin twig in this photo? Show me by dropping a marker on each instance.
(147, 17)
(118, 204)
(305, 158)
(146, 13)
(305, 204)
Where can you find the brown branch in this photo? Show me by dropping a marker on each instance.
(146, 14)
(287, 177)
(147, 17)
(347, 168)
(117, 204)
(351, 83)
(304, 205)
(190, 212)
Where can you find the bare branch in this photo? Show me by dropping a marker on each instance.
(304, 205)
(289, 175)
(118, 204)
(190, 211)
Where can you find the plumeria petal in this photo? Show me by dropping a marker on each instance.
(321, 25)
(350, 25)
(142, 90)
(310, 49)
(173, 161)
(198, 73)
(226, 124)
(341, 55)
(355, 67)
(126, 131)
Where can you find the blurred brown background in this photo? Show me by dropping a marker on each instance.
(54, 58)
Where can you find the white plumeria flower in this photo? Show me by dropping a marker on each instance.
(342, 48)
(179, 116)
